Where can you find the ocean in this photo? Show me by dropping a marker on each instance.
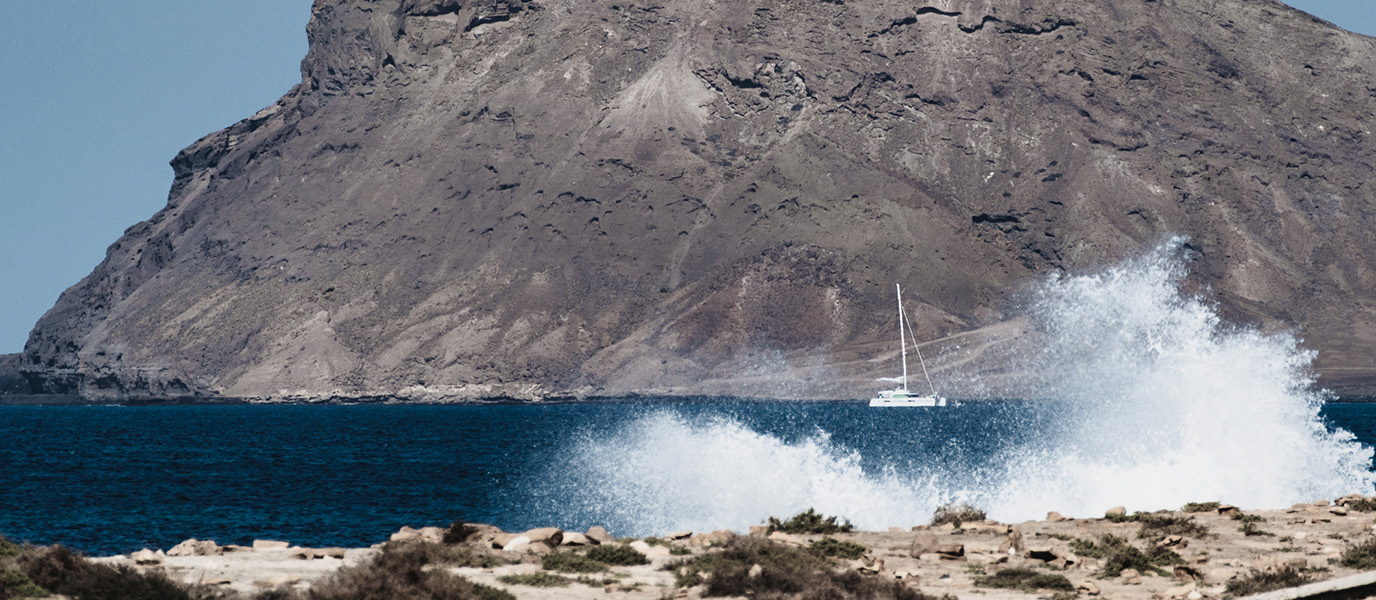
(108, 479)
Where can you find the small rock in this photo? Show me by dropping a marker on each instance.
(1194, 595)
(1228, 510)
(1338, 510)
(716, 537)
(1055, 517)
(1321, 503)
(500, 540)
(265, 545)
(432, 535)
(1130, 577)
(1182, 591)
(1175, 541)
(1013, 545)
(897, 530)
(516, 544)
(573, 538)
(549, 536)
(330, 553)
(680, 535)
(1043, 552)
(216, 582)
(194, 547)
(598, 534)
(758, 530)
(1117, 511)
(406, 534)
(1088, 588)
(951, 550)
(755, 571)
(1188, 573)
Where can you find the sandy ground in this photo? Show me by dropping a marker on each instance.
(1312, 536)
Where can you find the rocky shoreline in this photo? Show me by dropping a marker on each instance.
(1205, 550)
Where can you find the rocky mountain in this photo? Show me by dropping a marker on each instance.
(473, 198)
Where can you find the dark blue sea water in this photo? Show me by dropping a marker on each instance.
(115, 479)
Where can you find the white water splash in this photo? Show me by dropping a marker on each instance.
(1162, 404)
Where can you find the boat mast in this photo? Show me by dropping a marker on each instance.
(902, 342)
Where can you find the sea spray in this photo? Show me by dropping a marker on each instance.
(1146, 399)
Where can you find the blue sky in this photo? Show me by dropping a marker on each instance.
(97, 97)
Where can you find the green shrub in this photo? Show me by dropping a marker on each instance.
(1360, 556)
(1265, 581)
(536, 579)
(399, 573)
(679, 551)
(1195, 507)
(1247, 518)
(785, 571)
(9, 549)
(617, 554)
(1155, 527)
(838, 548)
(808, 521)
(957, 513)
(15, 584)
(1026, 580)
(571, 562)
(1249, 529)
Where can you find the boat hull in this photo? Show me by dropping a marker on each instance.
(912, 401)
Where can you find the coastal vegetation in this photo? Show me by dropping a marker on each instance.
(808, 522)
(1026, 580)
(1157, 526)
(1194, 507)
(957, 513)
(758, 568)
(1267, 580)
(1120, 555)
(617, 554)
(1361, 555)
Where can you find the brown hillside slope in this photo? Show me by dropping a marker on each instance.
(519, 198)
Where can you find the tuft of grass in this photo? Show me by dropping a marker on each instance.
(1120, 555)
(837, 548)
(1249, 529)
(400, 572)
(1247, 518)
(1361, 555)
(957, 513)
(1196, 507)
(679, 551)
(1265, 581)
(785, 571)
(617, 554)
(809, 521)
(536, 579)
(571, 562)
(459, 532)
(1026, 580)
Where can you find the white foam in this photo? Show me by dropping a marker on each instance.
(1162, 404)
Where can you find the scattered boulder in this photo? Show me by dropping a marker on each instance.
(501, 539)
(758, 531)
(870, 565)
(1182, 592)
(195, 547)
(1321, 503)
(1188, 573)
(1130, 577)
(573, 538)
(1055, 517)
(1338, 510)
(924, 543)
(406, 534)
(549, 536)
(1228, 510)
(268, 545)
(1117, 511)
(720, 536)
(598, 535)
(951, 551)
(432, 535)
(679, 535)
(755, 571)
(1088, 588)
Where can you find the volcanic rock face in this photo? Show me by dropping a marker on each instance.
(518, 198)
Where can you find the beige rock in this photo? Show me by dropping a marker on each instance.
(1130, 577)
(755, 571)
(573, 538)
(951, 550)
(406, 534)
(330, 553)
(1181, 592)
(1088, 588)
(147, 557)
(500, 540)
(679, 535)
(1054, 517)
(277, 581)
(549, 536)
(1228, 510)
(1188, 573)
(1338, 510)
(1321, 503)
(432, 535)
(896, 530)
(194, 547)
(517, 544)
(266, 545)
(1117, 511)
(758, 531)
(1013, 544)
(924, 543)
(598, 534)
(720, 536)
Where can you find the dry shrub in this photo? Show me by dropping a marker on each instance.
(459, 532)
(620, 555)
(571, 562)
(785, 572)
(809, 521)
(60, 571)
(957, 513)
(1361, 556)
(399, 573)
(1264, 581)
(1119, 555)
(1026, 580)
(1194, 507)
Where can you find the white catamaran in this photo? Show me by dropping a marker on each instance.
(900, 396)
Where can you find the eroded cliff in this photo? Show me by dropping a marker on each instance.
(482, 198)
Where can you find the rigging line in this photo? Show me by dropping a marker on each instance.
(919, 353)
